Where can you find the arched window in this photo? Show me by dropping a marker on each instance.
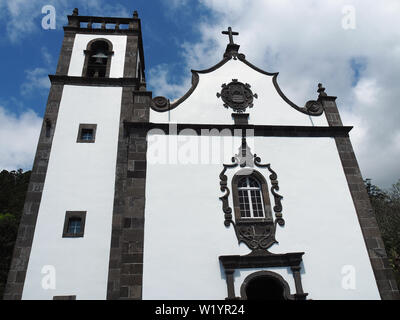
(250, 196)
(98, 59)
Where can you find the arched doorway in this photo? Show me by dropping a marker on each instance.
(265, 285)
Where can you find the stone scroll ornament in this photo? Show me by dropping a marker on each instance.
(237, 96)
(258, 235)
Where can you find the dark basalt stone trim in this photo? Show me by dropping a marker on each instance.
(26, 230)
(240, 118)
(85, 81)
(102, 31)
(66, 52)
(261, 261)
(162, 104)
(131, 56)
(140, 45)
(259, 130)
(370, 230)
(127, 237)
(98, 19)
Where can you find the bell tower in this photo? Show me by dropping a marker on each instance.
(70, 222)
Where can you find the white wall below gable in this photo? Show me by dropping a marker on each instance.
(185, 232)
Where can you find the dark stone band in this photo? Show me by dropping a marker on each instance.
(259, 130)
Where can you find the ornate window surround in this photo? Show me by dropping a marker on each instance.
(257, 233)
(88, 52)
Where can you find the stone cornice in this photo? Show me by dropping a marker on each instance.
(259, 130)
(85, 81)
(261, 261)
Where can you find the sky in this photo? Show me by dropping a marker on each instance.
(352, 47)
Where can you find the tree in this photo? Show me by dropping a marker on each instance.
(386, 206)
(13, 187)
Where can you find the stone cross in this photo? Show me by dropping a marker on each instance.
(231, 34)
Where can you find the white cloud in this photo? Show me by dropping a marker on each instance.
(36, 79)
(47, 57)
(366, 92)
(305, 42)
(18, 139)
(23, 17)
(164, 85)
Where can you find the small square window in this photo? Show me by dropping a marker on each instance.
(74, 224)
(86, 133)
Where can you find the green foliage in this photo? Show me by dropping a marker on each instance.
(386, 205)
(13, 187)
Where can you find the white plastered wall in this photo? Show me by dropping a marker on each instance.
(80, 177)
(184, 221)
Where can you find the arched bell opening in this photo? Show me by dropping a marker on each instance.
(98, 59)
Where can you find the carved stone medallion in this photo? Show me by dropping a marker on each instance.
(237, 96)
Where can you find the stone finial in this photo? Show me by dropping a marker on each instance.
(135, 14)
(142, 86)
(75, 12)
(321, 90)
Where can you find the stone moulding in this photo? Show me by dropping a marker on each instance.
(257, 130)
(163, 104)
(85, 81)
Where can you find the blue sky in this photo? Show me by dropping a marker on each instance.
(31, 56)
(352, 47)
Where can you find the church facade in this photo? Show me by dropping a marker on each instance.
(232, 191)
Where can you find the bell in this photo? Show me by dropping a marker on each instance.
(99, 57)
